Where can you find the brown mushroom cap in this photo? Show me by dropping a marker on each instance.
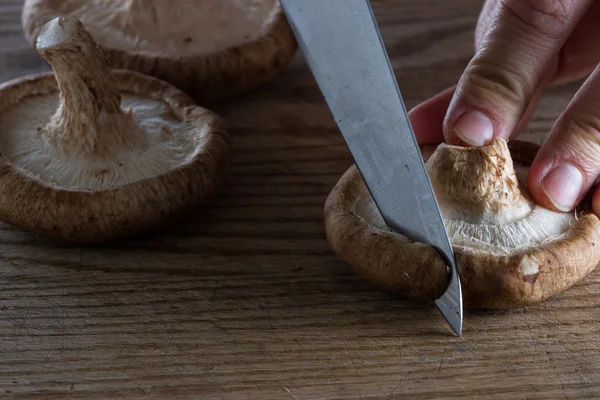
(89, 154)
(211, 49)
(510, 251)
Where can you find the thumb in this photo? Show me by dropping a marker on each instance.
(517, 54)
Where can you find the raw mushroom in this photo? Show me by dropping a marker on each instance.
(510, 251)
(89, 154)
(211, 49)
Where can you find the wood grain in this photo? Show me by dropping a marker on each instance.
(246, 300)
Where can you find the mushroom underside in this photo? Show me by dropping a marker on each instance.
(210, 49)
(171, 29)
(182, 163)
(171, 141)
(533, 255)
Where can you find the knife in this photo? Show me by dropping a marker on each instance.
(344, 50)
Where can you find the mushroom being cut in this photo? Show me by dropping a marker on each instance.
(510, 251)
(211, 49)
(91, 154)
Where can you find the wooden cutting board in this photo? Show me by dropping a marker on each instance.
(247, 301)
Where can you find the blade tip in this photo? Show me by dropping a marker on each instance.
(457, 329)
(450, 304)
(452, 314)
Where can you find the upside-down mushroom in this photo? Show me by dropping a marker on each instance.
(509, 250)
(90, 154)
(211, 49)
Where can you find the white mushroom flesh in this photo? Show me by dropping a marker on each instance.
(497, 217)
(172, 28)
(496, 235)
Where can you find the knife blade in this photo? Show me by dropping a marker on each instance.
(344, 50)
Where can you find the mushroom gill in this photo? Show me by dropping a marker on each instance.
(484, 205)
(210, 49)
(510, 251)
(92, 136)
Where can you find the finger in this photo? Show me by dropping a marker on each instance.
(569, 161)
(580, 53)
(516, 54)
(484, 21)
(528, 114)
(427, 118)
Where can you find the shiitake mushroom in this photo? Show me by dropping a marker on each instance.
(90, 154)
(510, 251)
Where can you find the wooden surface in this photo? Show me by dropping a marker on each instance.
(246, 301)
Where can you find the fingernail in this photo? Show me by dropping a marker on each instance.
(563, 185)
(474, 128)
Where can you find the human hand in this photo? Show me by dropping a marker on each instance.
(522, 46)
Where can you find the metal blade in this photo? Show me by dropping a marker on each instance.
(346, 54)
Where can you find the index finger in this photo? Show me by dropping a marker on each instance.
(517, 52)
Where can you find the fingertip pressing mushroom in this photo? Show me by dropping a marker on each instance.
(90, 154)
(211, 49)
(510, 251)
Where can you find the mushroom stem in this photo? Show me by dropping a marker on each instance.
(478, 183)
(89, 120)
